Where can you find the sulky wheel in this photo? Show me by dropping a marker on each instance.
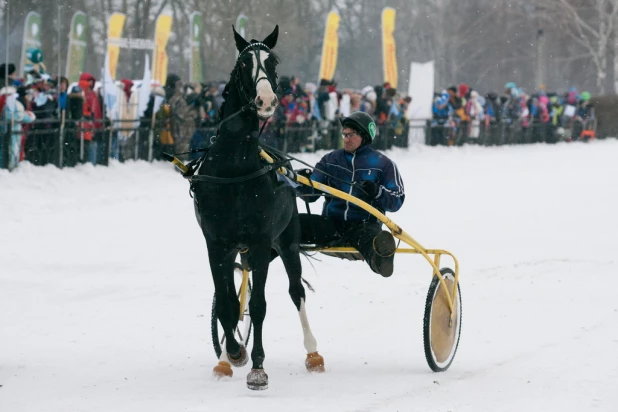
(440, 335)
(243, 330)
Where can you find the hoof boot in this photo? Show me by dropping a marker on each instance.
(241, 360)
(314, 362)
(222, 370)
(257, 380)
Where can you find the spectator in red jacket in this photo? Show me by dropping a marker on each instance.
(93, 117)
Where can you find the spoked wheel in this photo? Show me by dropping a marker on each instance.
(243, 330)
(440, 332)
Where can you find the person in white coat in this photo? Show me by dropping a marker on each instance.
(475, 110)
(12, 116)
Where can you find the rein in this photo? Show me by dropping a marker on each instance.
(288, 157)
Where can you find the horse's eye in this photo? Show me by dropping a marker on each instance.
(243, 65)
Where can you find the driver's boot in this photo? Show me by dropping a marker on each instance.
(383, 256)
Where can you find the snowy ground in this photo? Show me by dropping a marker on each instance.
(105, 293)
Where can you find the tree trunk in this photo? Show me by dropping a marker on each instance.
(614, 47)
(601, 73)
(610, 80)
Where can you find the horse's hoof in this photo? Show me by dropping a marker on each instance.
(241, 360)
(314, 362)
(257, 380)
(222, 370)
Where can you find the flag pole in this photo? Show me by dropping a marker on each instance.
(151, 133)
(6, 51)
(9, 135)
(58, 92)
(6, 152)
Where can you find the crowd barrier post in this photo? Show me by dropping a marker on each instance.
(137, 138)
(81, 142)
(151, 136)
(61, 139)
(5, 142)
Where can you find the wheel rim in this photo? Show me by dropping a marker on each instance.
(444, 334)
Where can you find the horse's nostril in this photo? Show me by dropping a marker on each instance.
(259, 102)
(275, 102)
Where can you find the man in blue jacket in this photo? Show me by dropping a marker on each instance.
(375, 179)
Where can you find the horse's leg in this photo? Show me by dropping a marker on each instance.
(259, 259)
(226, 307)
(290, 255)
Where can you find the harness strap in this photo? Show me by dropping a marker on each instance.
(226, 180)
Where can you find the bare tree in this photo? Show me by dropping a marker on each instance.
(484, 43)
(589, 23)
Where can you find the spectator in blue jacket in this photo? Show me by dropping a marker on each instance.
(375, 179)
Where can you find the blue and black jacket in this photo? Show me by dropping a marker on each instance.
(363, 164)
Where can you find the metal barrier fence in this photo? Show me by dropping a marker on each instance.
(68, 143)
(508, 133)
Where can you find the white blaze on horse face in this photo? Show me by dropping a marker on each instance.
(265, 98)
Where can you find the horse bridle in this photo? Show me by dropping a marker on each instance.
(256, 48)
(249, 105)
(249, 102)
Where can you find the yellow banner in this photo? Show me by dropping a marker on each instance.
(114, 32)
(159, 61)
(330, 47)
(389, 54)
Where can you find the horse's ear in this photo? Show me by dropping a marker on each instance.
(241, 44)
(271, 40)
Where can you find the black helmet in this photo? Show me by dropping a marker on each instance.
(362, 123)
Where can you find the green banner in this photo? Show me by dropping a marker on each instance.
(31, 40)
(241, 26)
(196, 74)
(77, 46)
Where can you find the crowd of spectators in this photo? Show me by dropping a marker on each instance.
(307, 118)
(461, 115)
(53, 121)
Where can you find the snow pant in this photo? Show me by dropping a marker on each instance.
(14, 150)
(41, 145)
(325, 231)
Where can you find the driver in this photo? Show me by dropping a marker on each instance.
(377, 182)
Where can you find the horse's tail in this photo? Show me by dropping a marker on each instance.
(307, 284)
(308, 256)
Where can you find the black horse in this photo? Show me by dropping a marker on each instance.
(241, 206)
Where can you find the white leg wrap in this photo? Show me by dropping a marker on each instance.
(223, 357)
(311, 345)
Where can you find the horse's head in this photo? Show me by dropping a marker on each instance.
(256, 72)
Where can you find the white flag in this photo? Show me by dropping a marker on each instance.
(421, 89)
(158, 102)
(109, 91)
(144, 89)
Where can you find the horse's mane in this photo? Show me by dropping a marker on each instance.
(224, 94)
